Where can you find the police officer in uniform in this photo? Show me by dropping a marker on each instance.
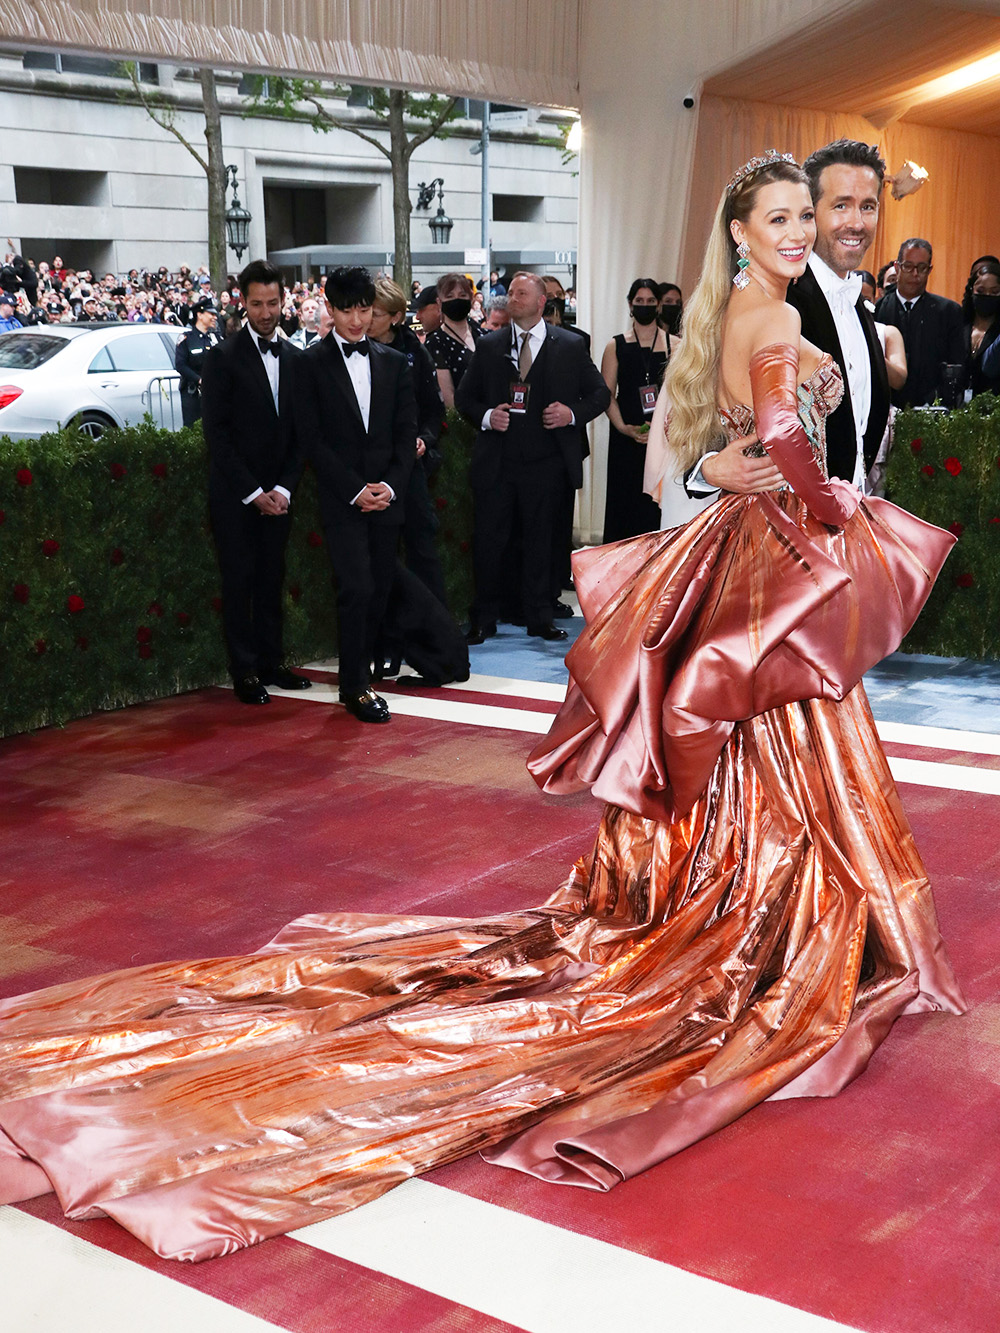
(189, 357)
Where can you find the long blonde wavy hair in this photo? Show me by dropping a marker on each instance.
(692, 378)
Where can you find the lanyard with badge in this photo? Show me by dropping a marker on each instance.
(648, 392)
(519, 390)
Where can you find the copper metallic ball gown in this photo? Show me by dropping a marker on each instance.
(752, 919)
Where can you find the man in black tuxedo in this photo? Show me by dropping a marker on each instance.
(846, 181)
(359, 421)
(932, 327)
(530, 389)
(248, 385)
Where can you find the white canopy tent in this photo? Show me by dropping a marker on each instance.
(673, 94)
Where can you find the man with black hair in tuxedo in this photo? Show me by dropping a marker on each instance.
(249, 386)
(359, 421)
(846, 179)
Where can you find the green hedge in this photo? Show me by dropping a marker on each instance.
(945, 467)
(109, 589)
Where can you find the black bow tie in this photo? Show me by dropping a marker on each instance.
(361, 347)
(266, 346)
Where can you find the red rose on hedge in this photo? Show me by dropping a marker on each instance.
(118, 470)
(3, 516)
(216, 603)
(995, 520)
(927, 470)
(24, 477)
(953, 466)
(21, 593)
(74, 603)
(916, 445)
(49, 546)
(143, 634)
(441, 502)
(155, 609)
(40, 646)
(964, 580)
(183, 618)
(314, 539)
(116, 556)
(145, 651)
(956, 528)
(159, 469)
(295, 592)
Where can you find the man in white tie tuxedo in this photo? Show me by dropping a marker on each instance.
(359, 430)
(846, 180)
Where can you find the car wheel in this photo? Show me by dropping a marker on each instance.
(93, 424)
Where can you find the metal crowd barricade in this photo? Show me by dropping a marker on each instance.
(161, 400)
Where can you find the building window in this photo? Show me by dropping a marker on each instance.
(518, 207)
(100, 65)
(46, 185)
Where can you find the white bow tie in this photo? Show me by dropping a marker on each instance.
(846, 293)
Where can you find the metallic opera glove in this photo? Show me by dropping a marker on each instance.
(774, 384)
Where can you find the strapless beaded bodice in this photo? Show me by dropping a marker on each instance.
(818, 396)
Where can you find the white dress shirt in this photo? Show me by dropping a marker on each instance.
(536, 337)
(842, 296)
(272, 369)
(359, 372)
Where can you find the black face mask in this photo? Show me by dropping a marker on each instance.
(984, 304)
(670, 318)
(456, 309)
(644, 314)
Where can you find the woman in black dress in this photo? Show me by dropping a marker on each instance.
(981, 312)
(451, 346)
(633, 366)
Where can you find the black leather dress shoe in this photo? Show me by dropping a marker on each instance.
(550, 632)
(283, 679)
(366, 706)
(480, 633)
(563, 611)
(249, 690)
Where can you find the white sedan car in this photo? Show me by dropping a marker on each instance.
(102, 375)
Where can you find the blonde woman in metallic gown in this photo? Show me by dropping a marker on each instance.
(753, 916)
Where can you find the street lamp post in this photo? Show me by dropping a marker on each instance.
(238, 220)
(440, 224)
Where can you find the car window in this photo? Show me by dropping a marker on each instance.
(28, 351)
(141, 351)
(102, 361)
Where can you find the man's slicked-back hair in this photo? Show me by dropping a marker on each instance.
(920, 244)
(347, 287)
(843, 152)
(259, 270)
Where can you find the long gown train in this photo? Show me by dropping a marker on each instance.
(752, 919)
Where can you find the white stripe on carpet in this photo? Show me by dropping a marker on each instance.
(537, 1276)
(919, 772)
(51, 1280)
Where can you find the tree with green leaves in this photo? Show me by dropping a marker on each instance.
(392, 108)
(164, 114)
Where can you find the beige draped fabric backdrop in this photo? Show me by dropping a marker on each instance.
(512, 50)
(956, 210)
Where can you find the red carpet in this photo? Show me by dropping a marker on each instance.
(191, 827)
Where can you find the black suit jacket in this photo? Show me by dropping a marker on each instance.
(561, 373)
(934, 337)
(249, 443)
(344, 455)
(818, 326)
